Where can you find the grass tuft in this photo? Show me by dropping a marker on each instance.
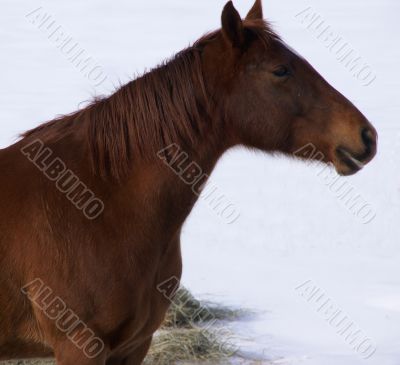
(186, 311)
(190, 333)
(187, 345)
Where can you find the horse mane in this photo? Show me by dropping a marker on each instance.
(166, 105)
(163, 106)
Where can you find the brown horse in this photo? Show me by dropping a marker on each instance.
(91, 215)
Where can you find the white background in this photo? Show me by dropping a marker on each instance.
(292, 228)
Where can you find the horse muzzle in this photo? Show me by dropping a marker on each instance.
(348, 162)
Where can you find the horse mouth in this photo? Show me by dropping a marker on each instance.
(353, 164)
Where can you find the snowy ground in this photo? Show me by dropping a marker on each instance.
(292, 227)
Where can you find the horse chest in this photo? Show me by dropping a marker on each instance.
(142, 320)
(145, 312)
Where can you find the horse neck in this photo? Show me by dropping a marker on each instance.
(156, 187)
(162, 192)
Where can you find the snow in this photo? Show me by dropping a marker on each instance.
(292, 227)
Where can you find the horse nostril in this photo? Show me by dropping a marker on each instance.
(368, 137)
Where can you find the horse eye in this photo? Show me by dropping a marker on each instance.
(281, 71)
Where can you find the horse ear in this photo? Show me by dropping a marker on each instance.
(232, 25)
(256, 12)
